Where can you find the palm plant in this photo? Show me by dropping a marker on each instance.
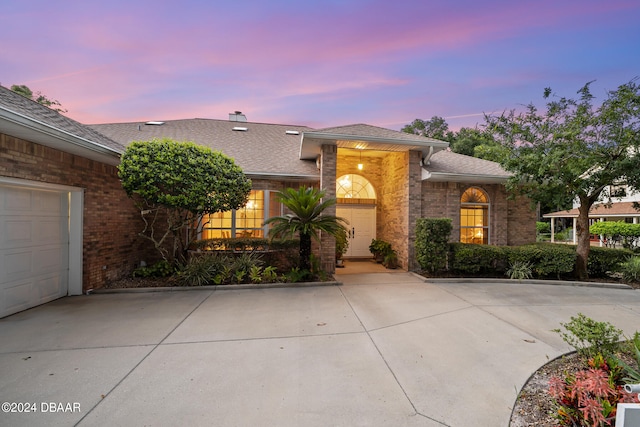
(306, 219)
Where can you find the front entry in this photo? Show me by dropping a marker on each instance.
(361, 226)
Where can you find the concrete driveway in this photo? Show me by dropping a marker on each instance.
(382, 350)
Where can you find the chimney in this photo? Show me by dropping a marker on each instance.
(237, 116)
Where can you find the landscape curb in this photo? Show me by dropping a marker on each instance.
(213, 288)
(529, 282)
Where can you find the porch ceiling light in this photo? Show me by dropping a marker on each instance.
(360, 165)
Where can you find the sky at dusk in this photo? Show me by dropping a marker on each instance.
(317, 63)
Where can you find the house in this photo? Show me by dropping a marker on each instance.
(621, 209)
(62, 200)
(66, 225)
(383, 180)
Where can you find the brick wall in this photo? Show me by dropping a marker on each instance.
(111, 247)
(512, 222)
(328, 164)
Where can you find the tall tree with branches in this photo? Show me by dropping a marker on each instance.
(573, 148)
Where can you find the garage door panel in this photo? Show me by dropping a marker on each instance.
(34, 247)
(17, 296)
(48, 288)
(17, 264)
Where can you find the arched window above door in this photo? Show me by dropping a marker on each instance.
(474, 216)
(352, 186)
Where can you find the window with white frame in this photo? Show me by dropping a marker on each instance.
(247, 221)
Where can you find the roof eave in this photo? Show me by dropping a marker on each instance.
(470, 178)
(27, 128)
(282, 176)
(311, 143)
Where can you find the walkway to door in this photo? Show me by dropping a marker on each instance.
(364, 266)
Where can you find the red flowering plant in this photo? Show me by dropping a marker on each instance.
(589, 397)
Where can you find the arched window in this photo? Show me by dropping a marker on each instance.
(353, 186)
(474, 216)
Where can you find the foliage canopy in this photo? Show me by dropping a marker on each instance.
(179, 182)
(573, 148)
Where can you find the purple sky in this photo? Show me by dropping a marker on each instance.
(316, 63)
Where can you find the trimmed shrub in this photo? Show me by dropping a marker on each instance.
(604, 260)
(548, 259)
(432, 235)
(478, 259)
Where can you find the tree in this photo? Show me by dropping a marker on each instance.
(574, 149)
(174, 184)
(38, 97)
(306, 219)
(436, 128)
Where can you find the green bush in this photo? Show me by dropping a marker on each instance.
(477, 259)
(432, 235)
(565, 235)
(589, 337)
(631, 269)
(543, 227)
(604, 260)
(547, 259)
(617, 232)
(159, 269)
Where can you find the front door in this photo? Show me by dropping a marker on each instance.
(361, 228)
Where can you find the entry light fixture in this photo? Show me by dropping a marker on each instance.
(360, 165)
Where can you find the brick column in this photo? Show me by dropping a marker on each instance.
(328, 163)
(414, 204)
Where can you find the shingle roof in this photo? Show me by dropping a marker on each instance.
(365, 130)
(261, 149)
(450, 163)
(18, 104)
(600, 210)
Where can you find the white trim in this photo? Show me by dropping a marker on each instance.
(76, 206)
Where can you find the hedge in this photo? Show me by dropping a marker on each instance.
(432, 235)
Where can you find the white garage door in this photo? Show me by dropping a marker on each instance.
(34, 247)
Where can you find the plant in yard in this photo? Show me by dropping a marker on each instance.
(238, 276)
(199, 271)
(269, 274)
(255, 274)
(589, 397)
(379, 248)
(631, 269)
(432, 235)
(306, 218)
(633, 374)
(590, 337)
(173, 184)
(520, 270)
(159, 269)
(391, 259)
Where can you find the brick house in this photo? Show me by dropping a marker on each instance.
(66, 225)
(383, 180)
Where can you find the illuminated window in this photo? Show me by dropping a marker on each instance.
(474, 216)
(354, 187)
(244, 222)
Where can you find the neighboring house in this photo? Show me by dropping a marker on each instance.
(68, 227)
(620, 209)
